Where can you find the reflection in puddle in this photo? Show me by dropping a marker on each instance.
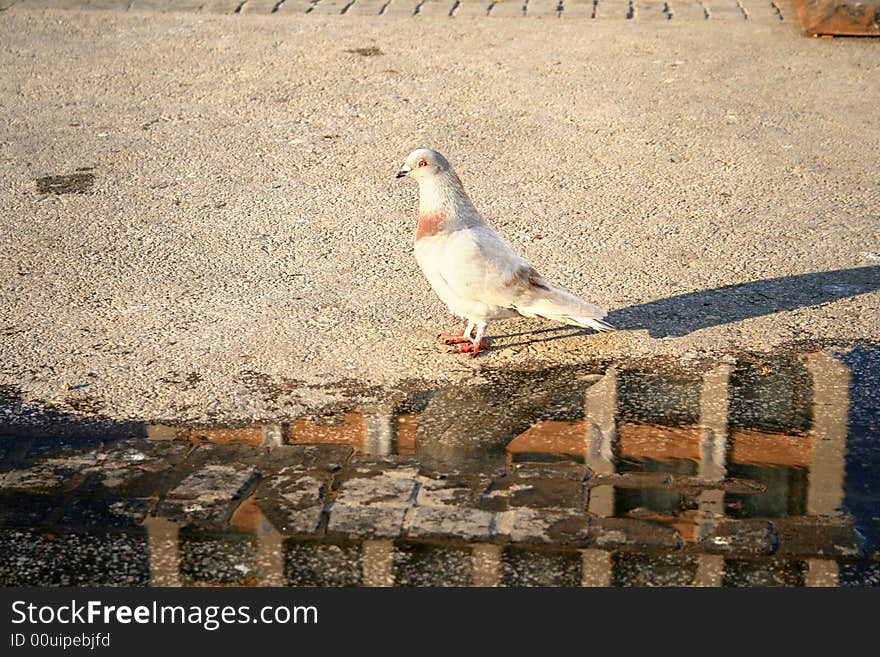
(747, 472)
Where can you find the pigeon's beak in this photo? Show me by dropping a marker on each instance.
(405, 169)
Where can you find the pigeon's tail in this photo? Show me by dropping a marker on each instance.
(558, 304)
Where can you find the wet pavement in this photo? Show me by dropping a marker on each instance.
(750, 470)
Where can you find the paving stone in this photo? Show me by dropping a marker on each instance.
(136, 468)
(724, 10)
(314, 458)
(166, 5)
(292, 496)
(449, 492)
(258, 6)
(292, 500)
(461, 523)
(542, 8)
(380, 489)
(550, 527)
(688, 10)
(401, 8)
(508, 9)
(48, 476)
(436, 8)
(366, 8)
(129, 468)
(117, 5)
(816, 536)
(219, 6)
(330, 7)
(209, 495)
(215, 482)
(762, 11)
(471, 8)
(204, 513)
(357, 521)
(295, 7)
(577, 9)
(49, 4)
(613, 9)
(740, 537)
(632, 533)
(494, 498)
(298, 490)
(648, 10)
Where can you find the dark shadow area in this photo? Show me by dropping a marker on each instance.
(684, 313)
(51, 534)
(550, 334)
(20, 419)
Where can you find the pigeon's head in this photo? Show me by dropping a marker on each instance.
(423, 162)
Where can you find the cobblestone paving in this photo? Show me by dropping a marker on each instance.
(228, 512)
(636, 10)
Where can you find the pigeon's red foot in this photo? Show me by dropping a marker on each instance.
(472, 348)
(453, 338)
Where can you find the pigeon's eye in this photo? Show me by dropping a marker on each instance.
(422, 163)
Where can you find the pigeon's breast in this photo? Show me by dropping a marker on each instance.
(430, 224)
(430, 254)
(433, 255)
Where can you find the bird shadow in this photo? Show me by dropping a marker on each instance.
(682, 314)
(550, 334)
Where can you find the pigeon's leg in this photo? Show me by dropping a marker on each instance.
(458, 338)
(476, 345)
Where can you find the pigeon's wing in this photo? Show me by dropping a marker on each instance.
(480, 266)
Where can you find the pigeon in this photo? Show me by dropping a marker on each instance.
(474, 271)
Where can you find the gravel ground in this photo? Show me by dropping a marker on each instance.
(245, 225)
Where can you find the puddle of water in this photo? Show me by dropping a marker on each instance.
(74, 183)
(754, 471)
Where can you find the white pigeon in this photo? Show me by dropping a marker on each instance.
(473, 270)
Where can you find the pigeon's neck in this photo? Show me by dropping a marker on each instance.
(444, 195)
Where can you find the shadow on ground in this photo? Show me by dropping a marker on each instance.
(685, 313)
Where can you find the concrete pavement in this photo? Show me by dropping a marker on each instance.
(713, 183)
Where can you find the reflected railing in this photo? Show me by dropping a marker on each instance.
(711, 450)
